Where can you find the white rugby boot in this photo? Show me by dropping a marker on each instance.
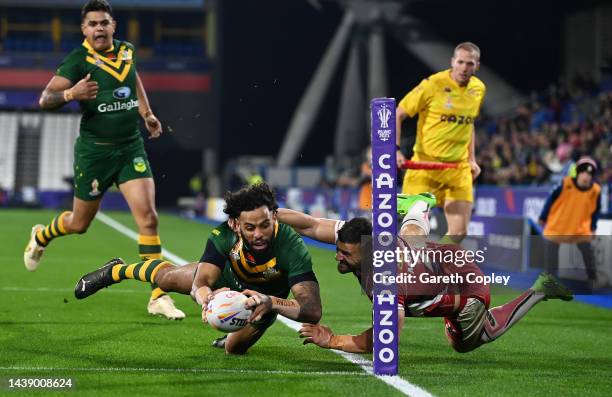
(33, 252)
(164, 306)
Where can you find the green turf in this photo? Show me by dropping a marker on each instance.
(109, 345)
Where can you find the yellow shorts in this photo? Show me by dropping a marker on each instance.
(449, 184)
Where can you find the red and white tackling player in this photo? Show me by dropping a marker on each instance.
(464, 306)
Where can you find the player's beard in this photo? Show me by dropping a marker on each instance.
(254, 251)
(344, 267)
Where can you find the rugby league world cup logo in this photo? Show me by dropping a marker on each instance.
(384, 113)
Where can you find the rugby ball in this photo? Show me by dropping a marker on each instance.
(226, 312)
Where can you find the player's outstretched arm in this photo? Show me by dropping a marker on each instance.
(324, 337)
(305, 307)
(60, 91)
(201, 290)
(320, 229)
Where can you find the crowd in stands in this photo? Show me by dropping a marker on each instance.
(539, 141)
(535, 144)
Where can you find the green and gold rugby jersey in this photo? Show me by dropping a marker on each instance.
(112, 117)
(285, 263)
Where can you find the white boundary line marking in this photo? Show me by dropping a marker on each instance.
(177, 260)
(194, 370)
(396, 382)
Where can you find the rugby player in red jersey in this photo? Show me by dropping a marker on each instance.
(469, 322)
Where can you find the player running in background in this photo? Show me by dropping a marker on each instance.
(571, 212)
(101, 75)
(469, 322)
(447, 104)
(251, 252)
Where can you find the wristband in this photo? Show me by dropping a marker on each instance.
(397, 147)
(68, 95)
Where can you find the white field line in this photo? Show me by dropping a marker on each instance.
(187, 370)
(396, 382)
(177, 260)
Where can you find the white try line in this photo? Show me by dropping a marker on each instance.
(396, 382)
(186, 370)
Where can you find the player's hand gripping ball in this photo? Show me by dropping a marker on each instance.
(226, 312)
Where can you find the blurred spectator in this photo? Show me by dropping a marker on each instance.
(254, 178)
(197, 185)
(539, 141)
(365, 183)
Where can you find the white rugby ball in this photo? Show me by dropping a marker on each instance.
(226, 312)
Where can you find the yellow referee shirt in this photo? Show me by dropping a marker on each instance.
(446, 116)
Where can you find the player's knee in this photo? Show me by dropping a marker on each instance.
(458, 233)
(315, 315)
(235, 349)
(163, 279)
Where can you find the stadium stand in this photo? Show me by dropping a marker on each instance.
(538, 141)
(159, 34)
(8, 149)
(58, 134)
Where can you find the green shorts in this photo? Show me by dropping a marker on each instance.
(97, 167)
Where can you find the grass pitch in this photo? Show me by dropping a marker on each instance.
(109, 345)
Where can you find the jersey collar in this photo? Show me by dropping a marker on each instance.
(454, 83)
(91, 49)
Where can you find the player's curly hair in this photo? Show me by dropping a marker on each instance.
(96, 5)
(352, 231)
(248, 199)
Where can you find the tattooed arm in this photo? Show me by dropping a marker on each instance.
(60, 91)
(305, 307)
(53, 95)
